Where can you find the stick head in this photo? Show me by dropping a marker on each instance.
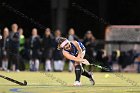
(100, 67)
(25, 83)
(106, 69)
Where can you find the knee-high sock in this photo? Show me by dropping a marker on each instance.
(59, 65)
(62, 65)
(70, 66)
(48, 65)
(78, 72)
(31, 62)
(56, 65)
(86, 73)
(5, 64)
(37, 64)
(14, 67)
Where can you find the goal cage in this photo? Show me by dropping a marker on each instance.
(122, 33)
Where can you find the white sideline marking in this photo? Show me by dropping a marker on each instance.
(58, 83)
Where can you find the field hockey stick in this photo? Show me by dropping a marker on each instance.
(14, 81)
(100, 67)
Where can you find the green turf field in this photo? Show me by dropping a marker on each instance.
(61, 82)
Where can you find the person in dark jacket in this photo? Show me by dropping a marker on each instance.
(47, 48)
(5, 48)
(57, 54)
(14, 48)
(71, 37)
(34, 50)
(21, 49)
(88, 42)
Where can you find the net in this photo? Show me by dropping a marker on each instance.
(122, 34)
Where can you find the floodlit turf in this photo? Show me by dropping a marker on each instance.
(61, 82)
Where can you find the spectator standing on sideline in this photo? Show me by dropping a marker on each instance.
(71, 37)
(34, 50)
(21, 49)
(57, 54)
(5, 48)
(88, 42)
(14, 48)
(47, 44)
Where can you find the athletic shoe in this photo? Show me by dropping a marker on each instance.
(77, 83)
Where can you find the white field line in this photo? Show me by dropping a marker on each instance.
(58, 83)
